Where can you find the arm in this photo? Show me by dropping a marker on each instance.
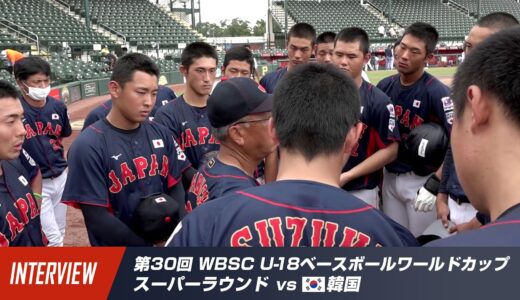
(98, 219)
(178, 194)
(187, 177)
(36, 187)
(372, 164)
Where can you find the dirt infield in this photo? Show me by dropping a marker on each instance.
(76, 234)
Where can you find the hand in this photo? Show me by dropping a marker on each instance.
(159, 244)
(424, 201)
(472, 224)
(344, 178)
(443, 211)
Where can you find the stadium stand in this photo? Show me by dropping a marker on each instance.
(334, 15)
(52, 26)
(450, 23)
(489, 6)
(143, 23)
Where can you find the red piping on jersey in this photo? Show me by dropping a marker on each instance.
(224, 176)
(335, 212)
(104, 105)
(95, 129)
(430, 81)
(501, 223)
(76, 203)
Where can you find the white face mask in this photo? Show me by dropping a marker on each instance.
(38, 94)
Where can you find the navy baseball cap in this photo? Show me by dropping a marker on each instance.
(236, 98)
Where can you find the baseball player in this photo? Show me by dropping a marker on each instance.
(451, 201)
(47, 123)
(301, 40)
(377, 145)
(325, 47)
(238, 62)
(487, 119)
(239, 111)
(417, 97)
(19, 212)
(187, 115)
(164, 95)
(123, 158)
(305, 206)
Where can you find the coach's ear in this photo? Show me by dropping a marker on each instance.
(272, 132)
(480, 107)
(114, 89)
(352, 138)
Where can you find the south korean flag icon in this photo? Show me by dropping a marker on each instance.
(313, 284)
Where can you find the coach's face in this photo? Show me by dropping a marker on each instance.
(253, 134)
(350, 58)
(299, 50)
(12, 131)
(411, 55)
(136, 98)
(200, 76)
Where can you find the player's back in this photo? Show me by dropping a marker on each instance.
(290, 213)
(270, 80)
(98, 113)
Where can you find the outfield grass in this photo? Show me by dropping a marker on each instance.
(376, 76)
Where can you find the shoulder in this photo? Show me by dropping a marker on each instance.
(388, 81)
(56, 103)
(377, 96)
(434, 86)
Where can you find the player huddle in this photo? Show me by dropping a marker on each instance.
(314, 155)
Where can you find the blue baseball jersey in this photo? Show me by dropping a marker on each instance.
(215, 179)
(191, 127)
(19, 214)
(270, 80)
(289, 213)
(29, 164)
(114, 168)
(427, 100)
(164, 95)
(503, 232)
(379, 131)
(45, 128)
(449, 181)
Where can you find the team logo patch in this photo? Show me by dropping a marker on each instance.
(313, 284)
(449, 117)
(116, 157)
(55, 117)
(180, 154)
(158, 143)
(160, 200)
(211, 163)
(447, 103)
(29, 158)
(391, 124)
(164, 102)
(23, 180)
(416, 103)
(391, 109)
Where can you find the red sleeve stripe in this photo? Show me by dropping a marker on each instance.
(322, 211)
(501, 223)
(225, 176)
